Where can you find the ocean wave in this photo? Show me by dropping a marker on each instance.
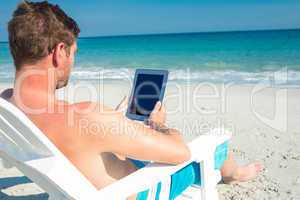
(281, 77)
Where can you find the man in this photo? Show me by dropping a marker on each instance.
(42, 41)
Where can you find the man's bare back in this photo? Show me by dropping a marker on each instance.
(102, 168)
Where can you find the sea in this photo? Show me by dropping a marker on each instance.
(246, 57)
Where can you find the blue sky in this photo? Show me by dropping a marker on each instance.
(119, 17)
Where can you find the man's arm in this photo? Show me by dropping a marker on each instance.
(111, 131)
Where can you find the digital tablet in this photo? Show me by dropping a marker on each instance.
(148, 88)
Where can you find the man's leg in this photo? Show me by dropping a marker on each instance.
(231, 172)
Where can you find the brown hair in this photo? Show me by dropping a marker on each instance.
(36, 28)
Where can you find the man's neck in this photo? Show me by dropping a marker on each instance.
(34, 87)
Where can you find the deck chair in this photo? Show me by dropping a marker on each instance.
(25, 147)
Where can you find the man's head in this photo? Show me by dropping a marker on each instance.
(39, 31)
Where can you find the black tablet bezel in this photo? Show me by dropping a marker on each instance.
(163, 73)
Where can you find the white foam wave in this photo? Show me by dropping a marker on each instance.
(282, 77)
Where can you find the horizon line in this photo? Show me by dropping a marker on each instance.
(182, 33)
(187, 33)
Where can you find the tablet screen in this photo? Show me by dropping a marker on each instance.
(146, 93)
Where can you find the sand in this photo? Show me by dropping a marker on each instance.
(261, 131)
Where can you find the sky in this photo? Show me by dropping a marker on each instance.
(123, 17)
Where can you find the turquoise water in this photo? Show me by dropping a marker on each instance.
(240, 57)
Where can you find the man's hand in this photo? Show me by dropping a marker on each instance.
(158, 115)
(157, 118)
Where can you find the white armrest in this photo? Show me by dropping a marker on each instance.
(205, 145)
(154, 173)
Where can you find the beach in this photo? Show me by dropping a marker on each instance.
(195, 108)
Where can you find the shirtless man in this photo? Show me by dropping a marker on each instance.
(42, 41)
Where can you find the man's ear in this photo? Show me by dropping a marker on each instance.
(58, 54)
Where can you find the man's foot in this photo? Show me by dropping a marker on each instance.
(245, 173)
